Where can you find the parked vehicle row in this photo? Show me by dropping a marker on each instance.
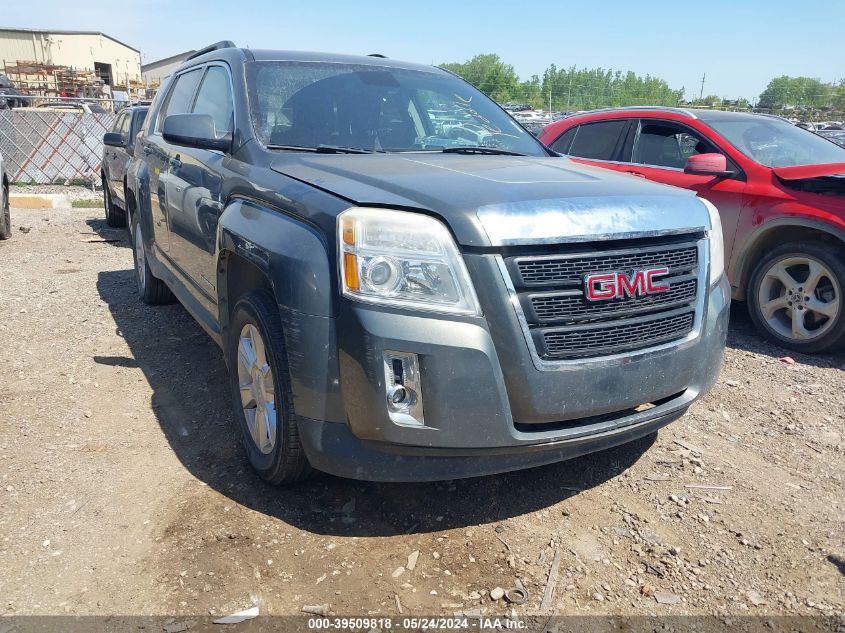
(406, 284)
(780, 191)
(118, 148)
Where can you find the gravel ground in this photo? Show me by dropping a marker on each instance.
(124, 488)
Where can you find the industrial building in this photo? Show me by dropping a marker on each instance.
(54, 62)
(154, 72)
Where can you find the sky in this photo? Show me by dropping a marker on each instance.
(739, 45)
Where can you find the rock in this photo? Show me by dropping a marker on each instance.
(474, 595)
(398, 572)
(674, 551)
(500, 529)
(755, 598)
(247, 614)
(732, 383)
(178, 627)
(313, 609)
(497, 593)
(647, 590)
(435, 555)
(787, 360)
(25, 229)
(412, 560)
(597, 596)
(666, 598)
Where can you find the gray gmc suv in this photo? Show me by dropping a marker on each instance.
(405, 283)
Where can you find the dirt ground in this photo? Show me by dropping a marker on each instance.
(125, 490)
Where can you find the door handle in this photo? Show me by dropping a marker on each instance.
(638, 174)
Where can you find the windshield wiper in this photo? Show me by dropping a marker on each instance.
(322, 149)
(480, 150)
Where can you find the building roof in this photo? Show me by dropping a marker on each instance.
(60, 32)
(179, 57)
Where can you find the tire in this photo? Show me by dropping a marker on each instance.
(151, 289)
(796, 297)
(115, 216)
(5, 217)
(277, 456)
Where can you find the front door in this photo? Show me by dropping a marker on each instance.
(195, 178)
(660, 151)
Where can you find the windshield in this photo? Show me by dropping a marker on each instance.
(775, 143)
(376, 108)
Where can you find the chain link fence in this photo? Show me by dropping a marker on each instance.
(53, 147)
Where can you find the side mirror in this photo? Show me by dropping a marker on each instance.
(194, 130)
(115, 139)
(708, 165)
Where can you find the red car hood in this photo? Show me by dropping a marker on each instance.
(799, 172)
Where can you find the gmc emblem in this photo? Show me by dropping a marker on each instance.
(602, 286)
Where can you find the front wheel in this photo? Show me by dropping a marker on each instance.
(5, 217)
(115, 216)
(261, 390)
(151, 289)
(796, 297)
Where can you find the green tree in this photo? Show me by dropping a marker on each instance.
(489, 74)
(798, 91)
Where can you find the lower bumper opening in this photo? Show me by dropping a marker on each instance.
(606, 419)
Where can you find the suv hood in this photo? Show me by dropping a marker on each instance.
(799, 172)
(499, 200)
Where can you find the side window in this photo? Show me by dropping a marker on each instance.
(124, 126)
(598, 140)
(179, 99)
(215, 98)
(666, 144)
(117, 126)
(561, 145)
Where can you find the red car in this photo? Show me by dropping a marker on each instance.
(779, 189)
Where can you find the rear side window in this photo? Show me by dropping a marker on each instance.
(118, 122)
(598, 140)
(124, 126)
(179, 99)
(561, 145)
(215, 98)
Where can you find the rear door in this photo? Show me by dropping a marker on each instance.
(659, 152)
(599, 143)
(119, 159)
(111, 154)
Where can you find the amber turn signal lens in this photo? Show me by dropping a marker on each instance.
(350, 269)
(348, 231)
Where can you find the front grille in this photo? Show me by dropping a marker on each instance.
(591, 340)
(563, 324)
(570, 269)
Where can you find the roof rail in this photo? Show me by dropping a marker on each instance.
(683, 111)
(377, 55)
(214, 47)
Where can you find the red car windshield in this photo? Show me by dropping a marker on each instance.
(775, 143)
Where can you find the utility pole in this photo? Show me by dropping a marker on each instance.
(569, 94)
(550, 101)
(701, 94)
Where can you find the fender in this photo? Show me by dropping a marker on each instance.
(742, 266)
(295, 258)
(292, 254)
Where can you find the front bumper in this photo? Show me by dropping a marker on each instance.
(488, 409)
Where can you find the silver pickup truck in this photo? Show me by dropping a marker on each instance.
(399, 299)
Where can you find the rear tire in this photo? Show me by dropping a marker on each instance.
(5, 217)
(115, 216)
(796, 297)
(151, 289)
(261, 390)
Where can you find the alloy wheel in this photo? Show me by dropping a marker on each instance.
(799, 298)
(257, 389)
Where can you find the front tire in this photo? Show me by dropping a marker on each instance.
(151, 289)
(115, 216)
(5, 217)
(261, 390)
(796, 298)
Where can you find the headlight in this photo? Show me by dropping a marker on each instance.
(717, 243)
(402, 259)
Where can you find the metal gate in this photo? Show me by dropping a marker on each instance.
(53, 147)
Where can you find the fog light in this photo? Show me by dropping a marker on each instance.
(403, 388)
